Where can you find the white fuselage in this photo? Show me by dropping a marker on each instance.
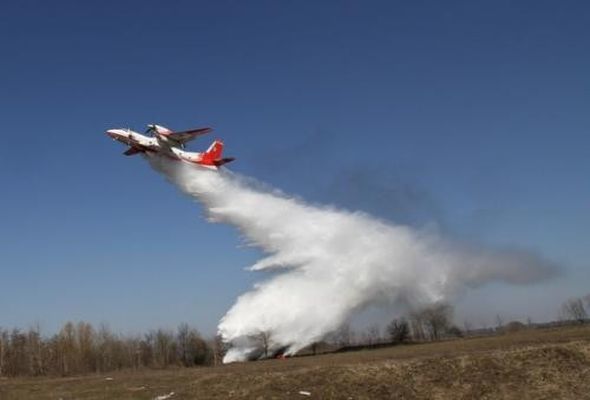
(158, 144)
(134, 139)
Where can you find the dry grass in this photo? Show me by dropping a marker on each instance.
(535, 364)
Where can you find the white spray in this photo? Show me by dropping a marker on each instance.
(332, 263)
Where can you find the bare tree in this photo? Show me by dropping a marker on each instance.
(3, 347)
(18, 364)
(200, 353)
(104, 344)
(454, 330)
(467, 327)
(398, 330)
(219, 348)
(132, 351)
(86, 338)
(437, 319)
(183, 339)
(514, 326)
(265, 337)
(68, 348)
(344, 335)
(573, 309)
(35, 351)
(192, 349)
(372, 335)
(314, 348)
(164, 347)
(78, 348)
(499, 322)
(417, 325)
(263, 340)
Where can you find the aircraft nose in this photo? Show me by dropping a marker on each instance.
(114, 133)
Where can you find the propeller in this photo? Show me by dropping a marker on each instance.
(151, 129)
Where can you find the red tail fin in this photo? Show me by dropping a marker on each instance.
(214, 151)
(213, 155)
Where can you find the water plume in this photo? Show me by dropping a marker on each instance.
(330, 263)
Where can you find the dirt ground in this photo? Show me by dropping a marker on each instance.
(530, 364)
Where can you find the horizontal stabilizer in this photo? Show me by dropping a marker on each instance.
(221, 161)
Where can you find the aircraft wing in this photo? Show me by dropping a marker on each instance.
(133, 150)
(185, 136)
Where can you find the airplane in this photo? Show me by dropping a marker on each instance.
(171, 144)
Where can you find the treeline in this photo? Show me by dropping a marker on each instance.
(81, 348)
(435, 322)
(427, 324)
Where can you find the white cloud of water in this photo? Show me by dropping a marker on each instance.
(332, 263)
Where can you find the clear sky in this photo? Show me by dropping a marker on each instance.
(471, 116)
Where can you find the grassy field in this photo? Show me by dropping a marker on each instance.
(530, 364)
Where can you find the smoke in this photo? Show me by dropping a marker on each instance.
(331, 263)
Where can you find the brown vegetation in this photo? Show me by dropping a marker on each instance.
(527, 364)
(81, 349)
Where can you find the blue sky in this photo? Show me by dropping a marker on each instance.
(468, 115)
